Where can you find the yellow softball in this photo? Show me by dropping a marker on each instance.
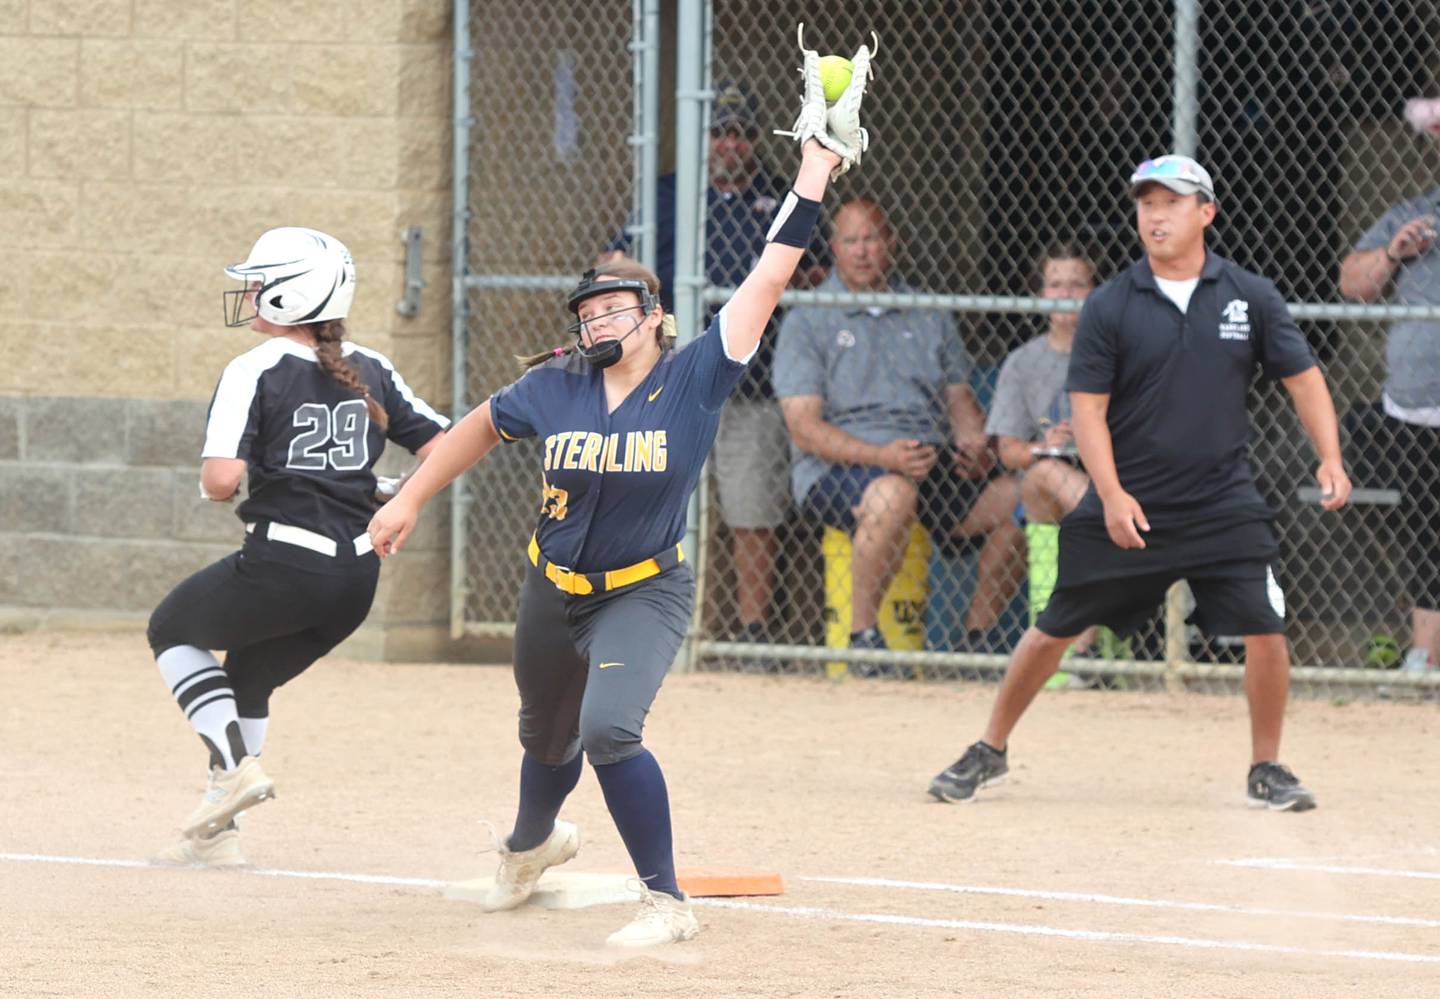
(834, 76)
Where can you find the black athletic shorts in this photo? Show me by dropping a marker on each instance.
(1231, 598)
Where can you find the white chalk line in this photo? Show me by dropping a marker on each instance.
(1148, 903)
(1098, 936)
(1282, 864)
(267, 872)
(811, 912)
(1351, 857)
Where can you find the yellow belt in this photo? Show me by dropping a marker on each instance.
(581, 583)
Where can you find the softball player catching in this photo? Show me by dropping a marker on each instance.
(626, 422)
(308, 414)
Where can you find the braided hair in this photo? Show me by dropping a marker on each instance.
(328, 337)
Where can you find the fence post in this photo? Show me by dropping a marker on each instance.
(1185, 123)
(1177, 652)
(459, 315)
(645, 138)
(689, 225)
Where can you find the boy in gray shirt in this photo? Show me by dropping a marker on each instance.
(1030, 413)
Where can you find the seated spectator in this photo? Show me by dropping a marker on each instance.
(749, 462)
(885, 428)
(1030, 413)
(1398, 260)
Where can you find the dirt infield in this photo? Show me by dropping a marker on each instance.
(1101, 867)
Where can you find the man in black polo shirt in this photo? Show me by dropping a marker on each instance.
(1162, 363)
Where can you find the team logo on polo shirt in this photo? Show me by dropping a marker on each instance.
(1236, 322)
(845, 338)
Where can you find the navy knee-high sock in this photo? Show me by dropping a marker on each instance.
(635, 793)
(543, 790)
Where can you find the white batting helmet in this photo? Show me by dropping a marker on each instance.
(298, 276)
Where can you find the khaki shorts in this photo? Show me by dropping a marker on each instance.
(752, 464)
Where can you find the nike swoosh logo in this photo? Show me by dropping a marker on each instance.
(656, 393)
(608, 665)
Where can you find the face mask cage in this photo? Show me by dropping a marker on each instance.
(238, 300)
(579, 326)
(604, 354)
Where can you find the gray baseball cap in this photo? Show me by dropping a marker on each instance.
(1180, 174)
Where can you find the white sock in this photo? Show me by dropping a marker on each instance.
(253, 731)
(202, 688)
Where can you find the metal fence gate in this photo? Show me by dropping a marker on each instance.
(1000, 129)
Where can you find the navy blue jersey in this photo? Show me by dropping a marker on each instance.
(616, 485)
(735, 229)
(308, 443)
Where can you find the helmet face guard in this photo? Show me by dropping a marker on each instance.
(292, 276)
(603, 355)
(236, 302)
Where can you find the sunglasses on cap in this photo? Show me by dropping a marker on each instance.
(1173, 168)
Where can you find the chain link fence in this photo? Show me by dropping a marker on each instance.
(1000, 132)
(547, 175)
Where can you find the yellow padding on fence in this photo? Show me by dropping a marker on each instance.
(902, 609)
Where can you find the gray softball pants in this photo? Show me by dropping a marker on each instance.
(588, 667)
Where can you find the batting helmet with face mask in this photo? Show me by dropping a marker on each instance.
(603, 355)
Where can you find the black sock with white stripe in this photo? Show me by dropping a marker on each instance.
(202, 688)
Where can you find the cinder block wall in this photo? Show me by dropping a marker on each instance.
(144, 144)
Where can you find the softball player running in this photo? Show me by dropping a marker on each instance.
(308, 414)
(626, 422)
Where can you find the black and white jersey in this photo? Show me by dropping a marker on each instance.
(308, 442)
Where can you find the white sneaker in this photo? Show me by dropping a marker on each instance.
(520, 871)
(220, 850)
(1417, 660)
(662, 919)
(230, 792)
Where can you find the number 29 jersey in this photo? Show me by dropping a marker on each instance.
(308, 442)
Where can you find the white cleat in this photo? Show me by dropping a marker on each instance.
(662, 919)
(230, 793)
(220, 850)
(520, 870)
